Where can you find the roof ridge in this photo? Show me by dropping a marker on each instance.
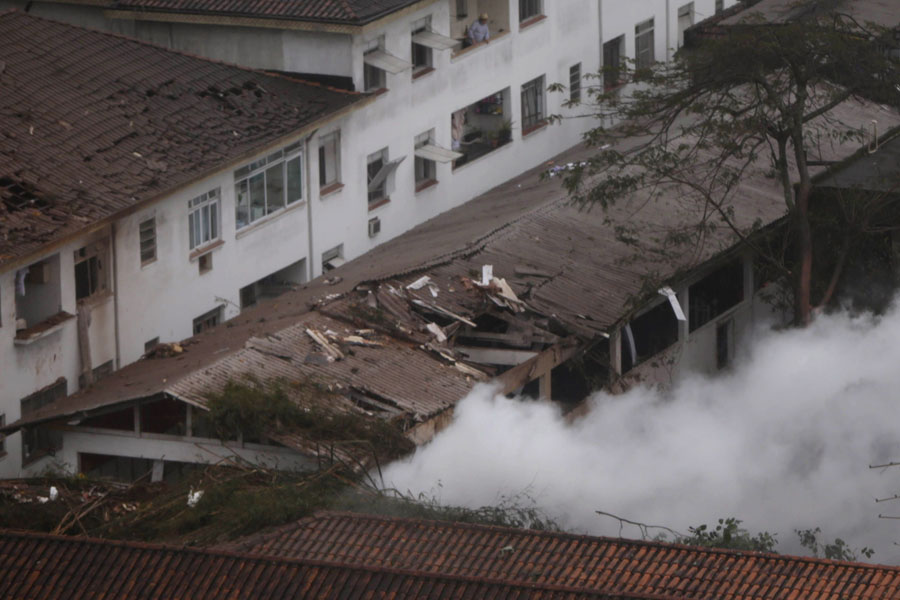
(264, 558)
(598, 538)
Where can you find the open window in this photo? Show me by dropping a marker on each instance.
(716, 293)
(685, 20)
(268, 184)
(377, 63)
(92, 270)
(648, 335)
(37, 293)
(428, 154)
(274, 284)
(481, 127)
(208, 320)
(333, 258)
(330, 161)
(424, 43)
(380, 176)
(40, 441)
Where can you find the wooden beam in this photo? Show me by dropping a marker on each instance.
(541, 364)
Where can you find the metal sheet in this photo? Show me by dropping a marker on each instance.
(386, 62)
(434, 40)
(437, 153)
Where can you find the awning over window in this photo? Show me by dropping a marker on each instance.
(435, 152)
(386, 62)
(385, 172)
(434, 40)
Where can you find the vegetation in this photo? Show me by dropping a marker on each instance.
(758, 97)
(728, 533)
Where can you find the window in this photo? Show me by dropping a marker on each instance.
(529, 9)
(643, 45)
(330, 159)
(207, 320)
(39, 441)
(379, 174)
(90, 270)
(720, 6)
(421, 54)
(462, 9)
(149, 345)
(203, 218)
(715, 293)
(612, 63)
(332, 259)
(426, 170)
(147, 232)
(532, 104)
(2, 437)
(685, 20)
(575, 83)
(37, 292)
(268, 185)
(374, 78)
(724, 343)
(648, 335)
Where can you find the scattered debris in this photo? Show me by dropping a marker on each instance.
(194, 497)
(165, 350)
(435, 329)
(334, 353)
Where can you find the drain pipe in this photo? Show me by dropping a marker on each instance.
(115, 270)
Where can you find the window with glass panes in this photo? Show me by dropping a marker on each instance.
(643, 45)
(203, 218)
(330, 159)
(529, 9)
(268, 185)
(533, 103)
(426, 170)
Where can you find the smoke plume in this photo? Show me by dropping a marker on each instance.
(783, 441)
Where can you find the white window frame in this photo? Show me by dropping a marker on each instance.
(425, 170)
(529, 9)
(575, 83)
(330, 158)
(374, 79)
(147, 240)
(533, 103)
(644, 42)
(285, 161)
(204, 219)
(685, 20)
(423, 24)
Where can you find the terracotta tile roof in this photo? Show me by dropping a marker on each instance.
(573, 561)
(45, 566)
(349, 12)
(92, 124)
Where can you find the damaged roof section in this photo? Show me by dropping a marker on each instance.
(92, 124)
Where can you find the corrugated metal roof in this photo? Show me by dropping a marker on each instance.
(574, 561)
(92, 124)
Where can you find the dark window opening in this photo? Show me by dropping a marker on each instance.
(575, 83)
(117, 468)
(99, 373)
(43, 397)
(421, 55)
(38, 442)
(164, 416)
(147, 230)
(149, 345)
(650, 334)
(120, 420)
(716, 293)
(612, 63)
(208, 320)
(529, 9)
(724, 343)
(2, 437)
(90, 270)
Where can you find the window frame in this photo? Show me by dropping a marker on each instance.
(462, 9)
(575, 83)
(202, 322)
(208, 204)
(530, 9)
(720, 6)
(427, 168)
(685, 10)
(2, 436)
(380, 157)
(612, 74)
(334, 140)
(147, 240)
(95, 256)
(245, 176)
(427, 54)
(644, 32)
(374, 79)
(532, 96)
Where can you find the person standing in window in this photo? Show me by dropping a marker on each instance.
(478, 31)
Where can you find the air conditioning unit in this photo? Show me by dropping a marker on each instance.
(374, 226)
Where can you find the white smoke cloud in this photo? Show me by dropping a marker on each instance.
(783, 442)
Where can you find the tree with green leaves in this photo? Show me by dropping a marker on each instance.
(755, 96)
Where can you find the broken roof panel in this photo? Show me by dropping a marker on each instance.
(92, 124)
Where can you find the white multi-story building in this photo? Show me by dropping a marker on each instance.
(147, 197)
